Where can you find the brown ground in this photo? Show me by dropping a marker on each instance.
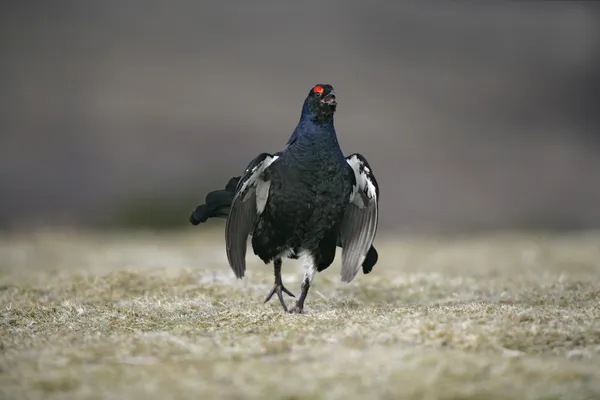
(86, 316)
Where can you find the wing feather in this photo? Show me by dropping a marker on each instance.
(245, 208)
(359, 224)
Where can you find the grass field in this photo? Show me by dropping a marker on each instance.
(124, 316)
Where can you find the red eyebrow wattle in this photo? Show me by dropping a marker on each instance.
(318, 89)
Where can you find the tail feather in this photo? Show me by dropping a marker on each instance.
(218, 203)
(370, 260)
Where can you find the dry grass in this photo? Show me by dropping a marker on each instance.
(161, 317)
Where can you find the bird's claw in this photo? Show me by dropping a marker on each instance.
(296, 310)
(279, 289)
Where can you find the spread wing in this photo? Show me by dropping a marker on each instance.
(248, 203)
(359, 224)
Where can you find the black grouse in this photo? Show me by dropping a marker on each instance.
(218, 205)
(301, 202)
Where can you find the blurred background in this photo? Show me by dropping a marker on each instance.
(473, 116)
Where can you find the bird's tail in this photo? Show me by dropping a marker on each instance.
(218, 203)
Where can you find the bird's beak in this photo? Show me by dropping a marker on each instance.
(329, 99)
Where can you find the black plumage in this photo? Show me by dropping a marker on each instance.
(302, 202)
(218, 203)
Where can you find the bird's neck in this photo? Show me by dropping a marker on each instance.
(310, 119)
(315, 138)
(310, 123)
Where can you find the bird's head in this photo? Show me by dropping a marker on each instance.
(321, 102)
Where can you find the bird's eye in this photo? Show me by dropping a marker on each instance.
(317, 94)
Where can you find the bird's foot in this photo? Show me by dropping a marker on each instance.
(297, 309)
(279, 289)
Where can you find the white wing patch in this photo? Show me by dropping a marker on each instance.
(262, 187)
(249, 202)
(360, 221)
(254, 178)
(364, 181)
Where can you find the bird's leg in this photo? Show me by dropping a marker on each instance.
(278, 286)
(309, 274)
(299, 307)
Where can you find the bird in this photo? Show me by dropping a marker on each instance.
(218, 204)
(301, 203)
